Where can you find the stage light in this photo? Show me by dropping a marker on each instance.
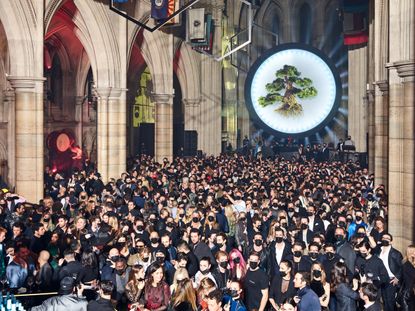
(344, 74)
(344, 111)
(345, 85)
(342, 60)
(345, 97)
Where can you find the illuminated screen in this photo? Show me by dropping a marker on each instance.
(293, 89)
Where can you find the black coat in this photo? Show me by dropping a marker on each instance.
(395, 262)
(100, 305)
(346, 298)
(286, 255)
(275, 290)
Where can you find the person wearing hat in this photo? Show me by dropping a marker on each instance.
(66, 300)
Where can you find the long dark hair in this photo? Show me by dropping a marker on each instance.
(149, 273)
(339, 275)
(89, 259)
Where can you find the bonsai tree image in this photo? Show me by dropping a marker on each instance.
(285, 89)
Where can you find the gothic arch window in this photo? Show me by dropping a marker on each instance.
(305, 23)
(275, 28)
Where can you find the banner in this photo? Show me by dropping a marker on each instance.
(161, 9)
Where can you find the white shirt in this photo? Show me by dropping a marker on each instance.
(239, 206)
(384, 254)
(278, 254)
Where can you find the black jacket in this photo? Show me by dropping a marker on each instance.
(275, 290)
(346, 298)
(286, 255)
(395, 262)
(100, 305)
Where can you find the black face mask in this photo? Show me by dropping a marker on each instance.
(298, 254)
(258, 242)
(211, 218)
(339, 237)
(181, 215)
(290, 210)
(242, 219)
(154, 240)
(223, 264)
(146, 259)
(360, 235)
(160, 259)
(304, 226)
(120, 272)
(205, 272)
(385, 243)
(342, 224)
(279, 239)
(170, 225)
(317, 273)
(310, 214)
(253, 265)
(195, 219)
(358, 218)
(283, 273)
(140, 228)
(233, 293)
(330, 256)
(313, 255)
(237, 198)
(236, 260)
(219, 245)
(363, 255)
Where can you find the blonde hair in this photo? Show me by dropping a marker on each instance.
(180, 273)
(410, 255)
(185, 293)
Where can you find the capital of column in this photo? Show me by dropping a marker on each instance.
(405, 69)
(161, 98)
(26, 84)
(191, 102)
(382, 87)
(116, 92)
(103, 92)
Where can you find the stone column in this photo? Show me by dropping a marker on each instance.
(371, 130)
(117, 143)
(163, 131)
(381, 132)
(401, 154)
(102, 132)
(29, 142)
(191, 114)
(357, 123)
(79, 119)
(211, 123)
(9, 100)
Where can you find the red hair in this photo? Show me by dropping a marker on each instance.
(242, 262)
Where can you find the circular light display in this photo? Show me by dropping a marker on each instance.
(63, 142)
(293, 89)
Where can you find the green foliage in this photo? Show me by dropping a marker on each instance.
(290, 80)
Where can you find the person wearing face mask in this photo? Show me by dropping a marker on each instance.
(221, 272)
(200, 249)
(314, 252)
(320, 285)
(169, 270)
(120, 279)
(256, 285)
(358, 222)
(392, 260)
(154, 241)
(258, 246)
(305, 235)
(140, 232)
(282, 285)
(234, 289)
(300, 262)
(329, 259)
(221, 243)
(109, 266)
(315, 224)
(370, 267)
(238, 203)
(280, 250)
(204, 272)
(344, 249)
(135, 286)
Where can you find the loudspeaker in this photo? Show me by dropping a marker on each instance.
(190, 143)
(196, 24)
(146, 139)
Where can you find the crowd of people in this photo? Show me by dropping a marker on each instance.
(212, 233)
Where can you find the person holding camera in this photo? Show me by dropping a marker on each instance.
(69, 298)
